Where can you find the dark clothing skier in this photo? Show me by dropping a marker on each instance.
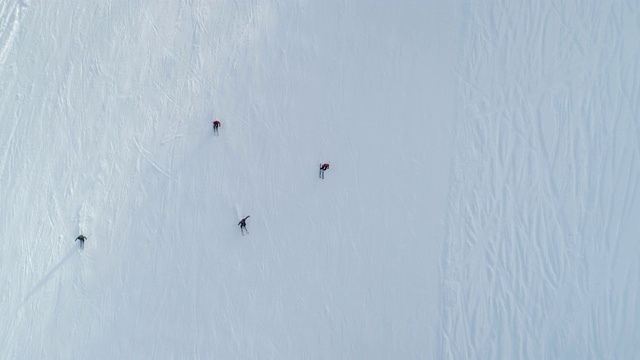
(243, 225)
(323, 167)
(82, 238)
(216, 125)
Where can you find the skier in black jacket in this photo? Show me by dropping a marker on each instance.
(243, 225)
(82, 238)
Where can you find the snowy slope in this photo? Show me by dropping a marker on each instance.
(105, 129)
(542, 252)
(481, 203)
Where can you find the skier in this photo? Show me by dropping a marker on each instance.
(323, 167)
(243, 225)
(216, 125)
(82, 238)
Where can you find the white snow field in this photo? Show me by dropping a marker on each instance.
(106, 129)
(481, 203)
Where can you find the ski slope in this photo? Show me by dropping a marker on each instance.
(481, 201)
(106, 130)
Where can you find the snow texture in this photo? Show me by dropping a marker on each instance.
(541, 258)
(482, 200)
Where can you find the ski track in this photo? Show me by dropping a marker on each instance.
(9, 26)
(545, 184)
(10, 20)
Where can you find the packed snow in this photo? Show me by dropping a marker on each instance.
(481, 200)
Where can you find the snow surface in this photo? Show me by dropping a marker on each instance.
(541, 258)
(481, 203)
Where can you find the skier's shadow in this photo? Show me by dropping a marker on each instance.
(48, 277)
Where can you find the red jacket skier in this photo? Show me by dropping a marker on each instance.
(323, 167)
(216, 125)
